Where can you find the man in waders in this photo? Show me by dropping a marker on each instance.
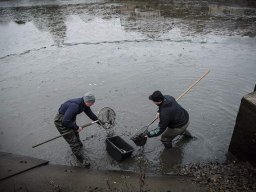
(65, 121)
(174, 119)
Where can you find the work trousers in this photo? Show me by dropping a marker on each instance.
(72, 138)
(170, 133)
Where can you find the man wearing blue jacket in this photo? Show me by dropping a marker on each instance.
(174, 119)
(65, 121)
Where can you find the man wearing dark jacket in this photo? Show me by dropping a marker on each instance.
(174, 119)
(65, 121)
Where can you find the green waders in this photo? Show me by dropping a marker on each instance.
(72, 139)
(169, 134)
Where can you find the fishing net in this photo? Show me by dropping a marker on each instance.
(139, 138)
(107, 118)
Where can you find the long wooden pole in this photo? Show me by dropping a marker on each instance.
(191, 86)
(83, 126)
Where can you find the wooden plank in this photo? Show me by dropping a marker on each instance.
(11, 165)
(3, 154)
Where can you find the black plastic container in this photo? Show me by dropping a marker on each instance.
(118, 149)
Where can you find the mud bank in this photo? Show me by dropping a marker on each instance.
(65, 178)
(230, 176)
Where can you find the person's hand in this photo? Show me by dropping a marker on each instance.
(79, 129)
(145, 134)
(100, 122)
(157, 115)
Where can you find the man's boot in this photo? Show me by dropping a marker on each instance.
(79, 141)
(86, 163)
(168, 145)
(83, 160)
(187, 134)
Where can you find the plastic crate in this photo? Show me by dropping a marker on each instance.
(118, 149)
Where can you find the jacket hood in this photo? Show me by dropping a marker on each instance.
(167, 100)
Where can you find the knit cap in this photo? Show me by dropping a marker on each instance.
(88, 97)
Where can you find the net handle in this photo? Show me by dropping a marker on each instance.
(61, 135)
(83, 126)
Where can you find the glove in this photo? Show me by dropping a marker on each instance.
(154, 132)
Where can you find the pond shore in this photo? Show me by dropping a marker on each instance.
(229, 176)
(32, 174)
(38, 175)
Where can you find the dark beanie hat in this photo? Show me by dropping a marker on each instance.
(157, 96)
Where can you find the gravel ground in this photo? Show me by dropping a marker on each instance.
(230, 176)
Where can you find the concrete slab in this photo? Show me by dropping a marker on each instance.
(72, 179)
(243, 141)
(63, 178)
(3, 154)
(11, 165)
(251, 97)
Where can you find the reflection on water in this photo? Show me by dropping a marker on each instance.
(154, 19)
(151, 19)
(51, 19)
(144, 19)
(46, 19)
(170, 158)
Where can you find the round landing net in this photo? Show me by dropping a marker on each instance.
(107, 118)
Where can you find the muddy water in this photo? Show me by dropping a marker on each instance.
(52, 51)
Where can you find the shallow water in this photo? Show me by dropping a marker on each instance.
(52, 51)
